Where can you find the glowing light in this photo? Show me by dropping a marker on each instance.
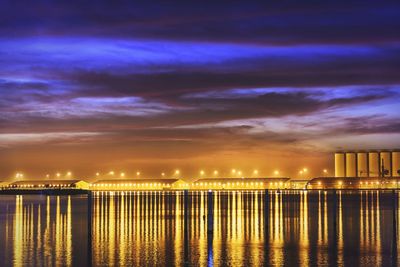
(215, 172)
(177, 172)
(319, 183)
(325, 171)
(111, 173)
(201, 172)
(58, 174)
(276, 172)
(137, 173)
(97, 174)
(163, 174)
(122, 174)
(305, 170)
(255, 172)
(233, 171)
(69, 173)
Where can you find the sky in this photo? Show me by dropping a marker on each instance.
(157, 86)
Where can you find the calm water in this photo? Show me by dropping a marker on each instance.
(149, 229)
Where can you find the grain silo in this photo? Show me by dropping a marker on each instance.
(396, 163)
(351, 165)
(340, 165)
(362, 164)
(386, 162)
(374, 164)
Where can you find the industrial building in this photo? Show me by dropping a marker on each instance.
(354, 183)
(240, 183)
(138, 184)
(46, 184)
(375, 163)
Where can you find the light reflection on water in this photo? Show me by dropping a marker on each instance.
(148, 228)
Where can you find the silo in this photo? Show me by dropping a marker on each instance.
(373, 160)
(386, 160)
(396, 163)
(362, 165)
(351, 163)
(340, 165)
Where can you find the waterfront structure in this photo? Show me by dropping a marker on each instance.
(375, 163)
(298, 184)
(138, 184)
(239, 183)
(353, 183)
(46, 184)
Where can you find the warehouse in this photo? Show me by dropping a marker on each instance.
(240, 183)
(47, 184)
(139, 184)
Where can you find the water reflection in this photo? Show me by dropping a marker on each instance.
(294, 228)
(36, 231)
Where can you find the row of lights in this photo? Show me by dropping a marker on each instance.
(236, 184)
(38, 185)
(362, 183)
(131, 184)
(234, 172)
(202, 173)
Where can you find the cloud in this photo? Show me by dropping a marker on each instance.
(261, 22)
(19, 139)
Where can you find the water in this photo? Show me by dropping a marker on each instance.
(149, 229)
